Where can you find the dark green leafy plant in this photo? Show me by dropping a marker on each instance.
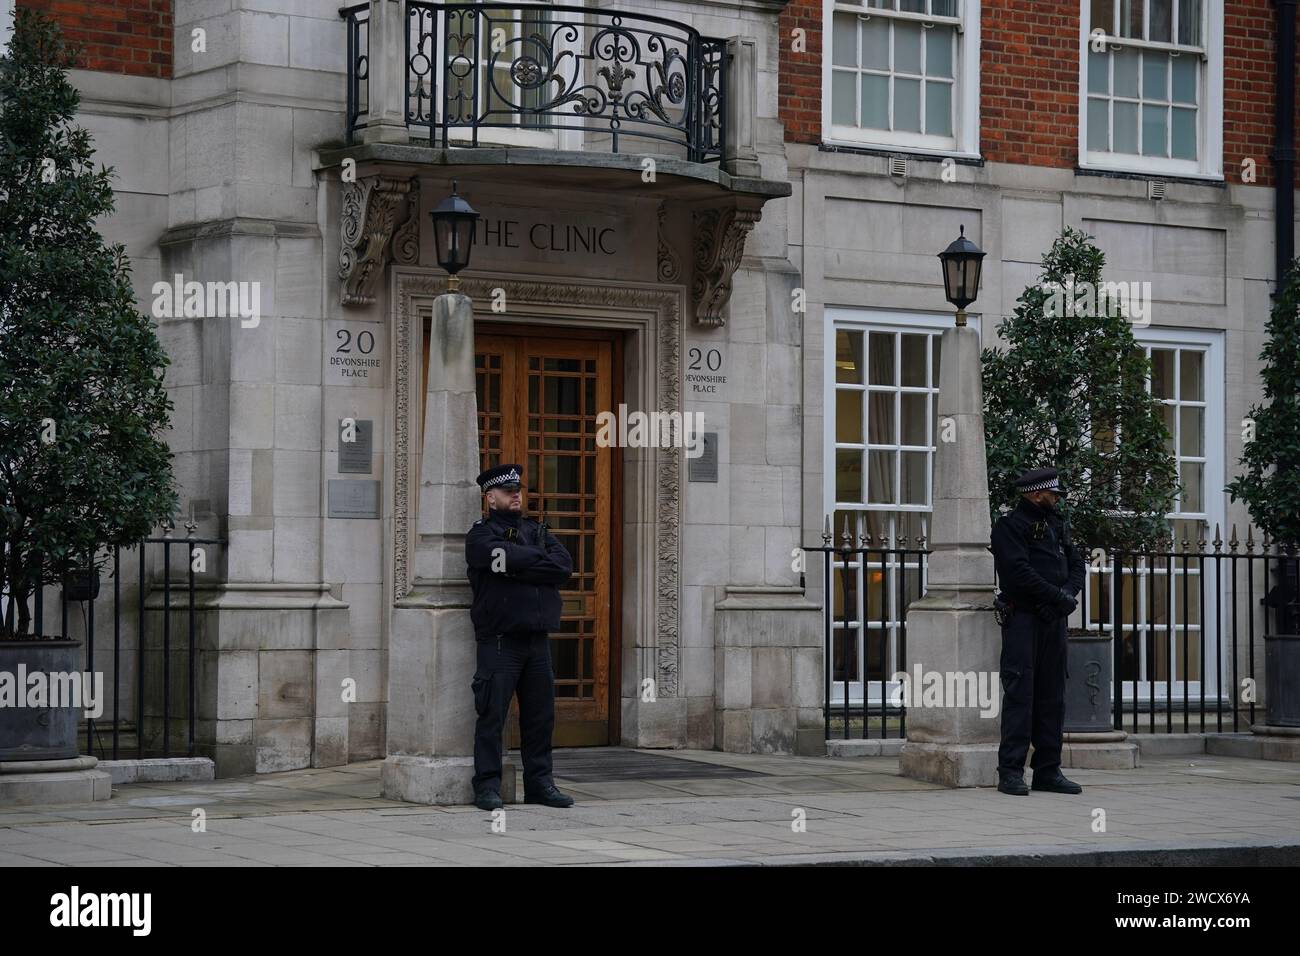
(82, 401)
(1070, 392)
(1270, 484)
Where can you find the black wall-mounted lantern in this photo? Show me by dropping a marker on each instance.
(453, 234)
(962, 263)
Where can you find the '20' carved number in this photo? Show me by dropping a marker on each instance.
(365, 341)
(713, 359)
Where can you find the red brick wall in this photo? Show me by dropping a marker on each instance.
(117, 36)
(1029, 82)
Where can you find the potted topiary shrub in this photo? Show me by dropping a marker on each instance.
(1072, 378)
(1270, 487)
(82, 403)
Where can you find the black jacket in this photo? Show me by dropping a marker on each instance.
(515, 571)
(1035, 557)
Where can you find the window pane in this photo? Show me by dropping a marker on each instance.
(907, 47)
(1098, 123)
(1126, 73)
(844, 40)
(1098, 73)
(848, 416)
(1171, 426)
(1103, 16)
(1154, 119)
(848, 476)
(1192, 474)
(880, 418)
(907, 105)
(1183, 144)
(915, 466)
(912, 6)
(848, 356)
(875, 44)
(1130, 18)
(1126, 127)
(1155, 76)
(875, 101)
(1191, 439)
(1185, 79)
(1162, 21)
(1162, 373)
(938, 109)
(914, 415)
(913, 358)
(881, 349)
(842, 105)
(1189, 22)
(938, 51)
(880, 477)
(1191, 381)
(944, 8)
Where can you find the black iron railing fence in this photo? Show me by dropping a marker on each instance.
(534, 68)
(158, 638)
(1186, 619)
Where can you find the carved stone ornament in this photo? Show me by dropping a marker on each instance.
(669, 266)
(664, 637)
(719, 245)
(370, 209)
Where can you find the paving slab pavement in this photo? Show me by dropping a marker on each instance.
(1174, 810)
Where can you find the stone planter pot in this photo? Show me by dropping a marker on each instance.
(1089, 660)
(38, 733)
(1282, 680)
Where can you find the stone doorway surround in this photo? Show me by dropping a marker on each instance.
(652, 316)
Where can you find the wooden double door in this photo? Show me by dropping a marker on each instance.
(538, 398)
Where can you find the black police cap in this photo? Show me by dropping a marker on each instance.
(506, 477)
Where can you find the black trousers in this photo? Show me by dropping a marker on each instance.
(1033, 693)
(516, 663)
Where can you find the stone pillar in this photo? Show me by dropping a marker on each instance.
(387, 80)
(767, 672)
(741, 157)
(951, 631)
(431, 657)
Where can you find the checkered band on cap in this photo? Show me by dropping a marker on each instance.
(1050, 484)
(509, 476)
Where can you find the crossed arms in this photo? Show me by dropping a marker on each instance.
(546, 563)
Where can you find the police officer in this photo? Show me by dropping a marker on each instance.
(1040, 573)
(515, 570)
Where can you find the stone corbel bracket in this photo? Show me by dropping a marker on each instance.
(720, 235)
(369, 232)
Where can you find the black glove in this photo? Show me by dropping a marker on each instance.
(1068, 602)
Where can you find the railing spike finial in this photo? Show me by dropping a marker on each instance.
(827, 535)
(1250, 539)
(1218, 539)
(846, 539)
(920, 541)
(1232, 544)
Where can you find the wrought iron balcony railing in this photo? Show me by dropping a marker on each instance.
(539, 74)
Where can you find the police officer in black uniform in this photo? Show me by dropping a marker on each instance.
(515, 570)
(1040, 574)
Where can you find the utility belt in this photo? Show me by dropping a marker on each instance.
(1004, 607)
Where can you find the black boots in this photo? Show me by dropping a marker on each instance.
(488, 800)
(549, 796)
(1055, 783)
(1014, 785)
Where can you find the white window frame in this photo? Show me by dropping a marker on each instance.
(966, 78)
(1214, 504)
(867, 321)
(6, 23)
(1209, 165)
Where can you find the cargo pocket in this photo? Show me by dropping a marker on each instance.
(482, 687)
